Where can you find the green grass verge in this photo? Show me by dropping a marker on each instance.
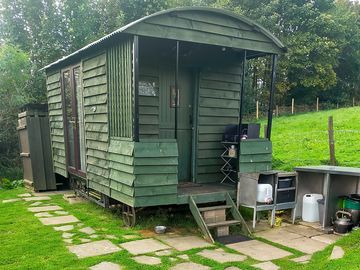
(302, 139)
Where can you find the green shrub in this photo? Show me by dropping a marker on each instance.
(5, 183)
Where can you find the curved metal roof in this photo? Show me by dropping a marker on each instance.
(124, 29)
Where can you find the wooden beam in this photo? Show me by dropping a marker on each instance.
(272, 95)
(136, 89)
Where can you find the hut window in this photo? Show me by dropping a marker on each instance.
(149, 86)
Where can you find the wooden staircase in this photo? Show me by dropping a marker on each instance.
(216, 218)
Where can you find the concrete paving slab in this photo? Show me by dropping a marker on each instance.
(53, 192)
(85, 240)
(327, 238)
(68, 241)
(87, 230)
(94, 249)
(58, 220)
(337, 253)
(278, 234)
(259, 251)
(232, 268)
(43, 214)
(301, 259)
(61, 213)
(221, 256)
(11, 200)
(106, 266)
(93, 236)
(30, 199)
(303, 230)
(64, 228)
(144, 246)
(184, 257)
(130, 236)
(303, 244)
(23, 195)
(183, 243)
(67, 235)
(190, 266)
(149, 260)
(110, 236)
(166, 252)
(44, 208)
(266, 266)
(36, 204)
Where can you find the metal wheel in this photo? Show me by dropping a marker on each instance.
(128, 215)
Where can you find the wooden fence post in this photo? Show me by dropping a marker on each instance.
(353, 102)
(277, 110)
(317, 104)
(331, 141)
(292, 105)
(257, 110)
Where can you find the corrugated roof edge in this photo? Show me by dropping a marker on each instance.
(257, 26)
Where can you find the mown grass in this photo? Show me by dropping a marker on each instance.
(27, 244)
(302, 139)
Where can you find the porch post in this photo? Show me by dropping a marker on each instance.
(242, 90)
(136, 89)
(272, 94)
(176, 87)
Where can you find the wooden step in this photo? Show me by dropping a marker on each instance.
(217, 207)
(223, 223)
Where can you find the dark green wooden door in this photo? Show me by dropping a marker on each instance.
(185, 123)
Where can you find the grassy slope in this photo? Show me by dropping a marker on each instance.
(303, 139)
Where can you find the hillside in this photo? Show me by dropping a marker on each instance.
(303, 139)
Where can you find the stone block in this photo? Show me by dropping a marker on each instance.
(143, 246)
(149, 260)
(58, 220)
(94, 249)
(44, 208)
(106, 266)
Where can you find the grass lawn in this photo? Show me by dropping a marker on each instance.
(303, 139)
(27, 244)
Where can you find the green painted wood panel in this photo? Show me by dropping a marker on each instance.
(120, 87)
(255, 155)
(53, 87)
(219, 101)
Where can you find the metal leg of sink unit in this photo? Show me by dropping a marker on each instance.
(254, 218)
(293, 215)
(272, 217)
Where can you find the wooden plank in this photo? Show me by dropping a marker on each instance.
(156, 161)
(54, 99)
(148, 129)
(55, 77)
(121, 167)
(149, 120)
(155, 200)
(99, 109)
(96, 118)
(214, 93)
(100, 172)
(121, 197)
(122, 177)
(97, 162)
(95, 90)
(98, 71)
(97, 153)
(96, 127)
(94, 62)
(120, 187)
(100, 188)
(214, 121)
(154, 169)
(256, 147)
(146, 180)
(95, 100)
(128, 160)
(148, 110)
(102, 137)
(218, 103)
(256, 158)
(96, 145)
(121, 147)
(99, 80)
(155, 190)
(217, 85)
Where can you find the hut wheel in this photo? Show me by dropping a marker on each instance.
(129, 215)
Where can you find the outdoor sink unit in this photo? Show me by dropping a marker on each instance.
(138, 115)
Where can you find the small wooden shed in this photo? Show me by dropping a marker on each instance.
(138, 115)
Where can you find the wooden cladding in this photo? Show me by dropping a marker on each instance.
(120, 86)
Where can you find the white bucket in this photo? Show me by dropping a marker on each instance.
(264, 193)
(310, 208)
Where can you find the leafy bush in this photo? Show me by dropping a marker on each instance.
(5, 183)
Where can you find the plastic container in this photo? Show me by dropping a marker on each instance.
(284, 182)
(310, 207)
(264, 193)
(352, 204)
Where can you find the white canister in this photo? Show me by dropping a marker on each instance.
(264, 193)
(310, 208)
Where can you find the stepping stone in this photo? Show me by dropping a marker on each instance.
(61, 212)
(303, 230)
(110, 236)
(337, 253)
(44, 198)
(304, 244)
(172, 259)
(11, 200)
(106, 266)
(183, 243)
(259, 251)
(44, 208)
(94, 236)
(167, 252)
(87, 230)
(130, 236)
(266, 266)
(36, 204)
(67, 235)
(276, 235)
(94, 249)
(221, 256)
(80, 224)
(144, 246)
(68, 241)
(190, 266)
(232, 268)
(64, 228)
(24, 195)
(327, 238)
(301, 259)
(43, 214)
(58, 220)
(85, 240)
(147, 260)
(184, 257)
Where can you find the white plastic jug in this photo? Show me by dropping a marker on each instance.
(264, 193)
(310, 208)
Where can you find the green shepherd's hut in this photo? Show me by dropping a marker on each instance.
(138, 116)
